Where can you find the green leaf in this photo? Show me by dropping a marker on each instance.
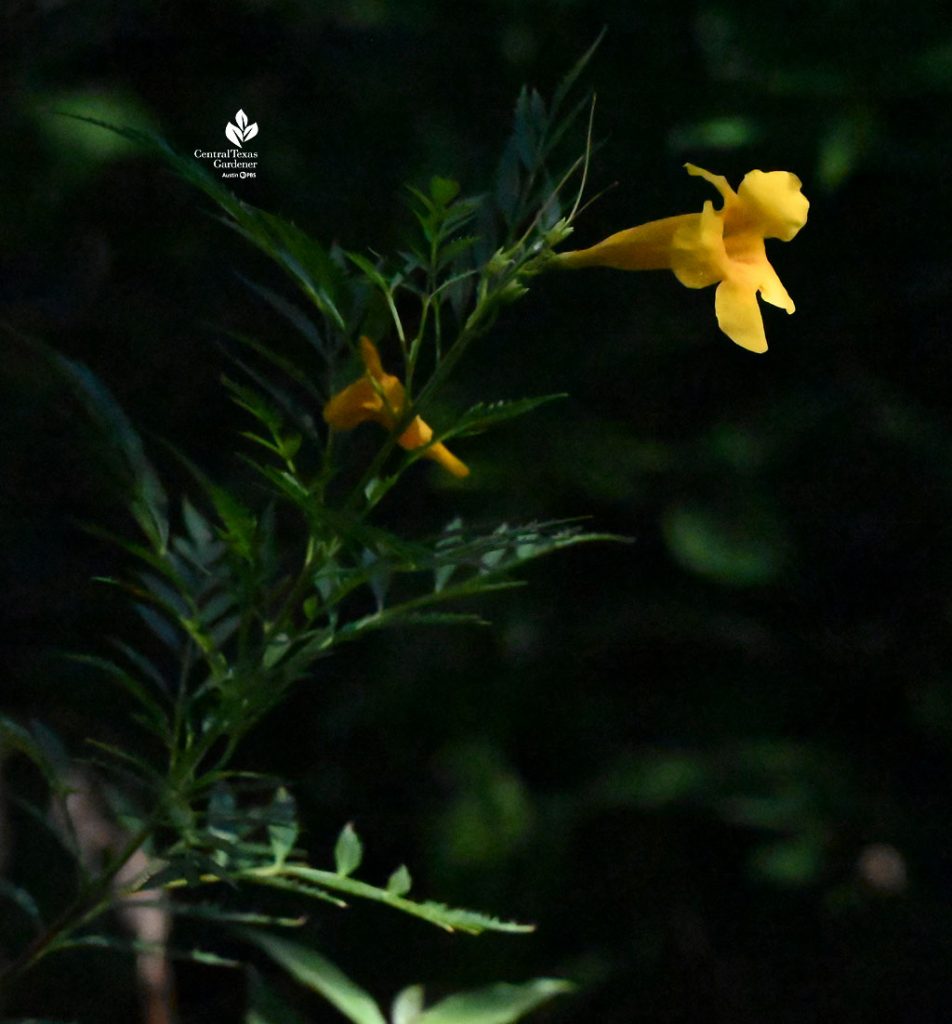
(736, 550)
(443, 190)
(371, 271)
(348, 851)
(565, 86)
(407, 1005)
(249, 400)
(282, 825)
(222, 815)
(449, 918)
(400, 882)
(267, 1007)
(18, 895)
(496, 1004)
(142, 663)
(312, 268)
(147, 498)
(508, 181)
(312, 892)
(302, 257)
(525, 131)
(15, 737)
(197, 956)
(298, 319)
(155, 714)
(123, 757)
(487, 414)
(213, 912)
(320, 975)
(240, 524)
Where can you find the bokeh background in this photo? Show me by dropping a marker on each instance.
(714, 765)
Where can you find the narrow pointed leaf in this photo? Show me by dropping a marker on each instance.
(318, 974)
(496, 1004)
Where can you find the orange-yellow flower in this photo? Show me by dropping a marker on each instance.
(725, 246)
(378, 396)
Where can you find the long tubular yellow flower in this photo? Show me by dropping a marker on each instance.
(725, 246)
(380, 397)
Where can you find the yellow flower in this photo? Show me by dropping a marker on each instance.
(725, 246)
(380, 397)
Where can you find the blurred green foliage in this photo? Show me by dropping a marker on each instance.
(679, 757)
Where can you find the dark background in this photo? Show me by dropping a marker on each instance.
(713, 765)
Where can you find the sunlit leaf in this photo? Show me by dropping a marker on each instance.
(348, 851)
(318, 974)
(495, 1004)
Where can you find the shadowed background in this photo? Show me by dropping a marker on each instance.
(713, 765)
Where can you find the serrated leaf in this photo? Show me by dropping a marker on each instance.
(348, 851)
(298, 889)
(298, 319)
(400, 882)
(565, 86)
(484, 415)
(249, 400)
(448, 918)
(319, 975)
(496, 1004)
(147, 499)
(455, 248)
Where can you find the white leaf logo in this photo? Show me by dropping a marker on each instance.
(240, 132)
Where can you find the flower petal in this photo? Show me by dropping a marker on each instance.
(717, 180)
(738, 314)
(646, 247)
(771, 290)
(356, 404)
(774, 200)
(698, 257)
(371, 358)
(418, 434)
